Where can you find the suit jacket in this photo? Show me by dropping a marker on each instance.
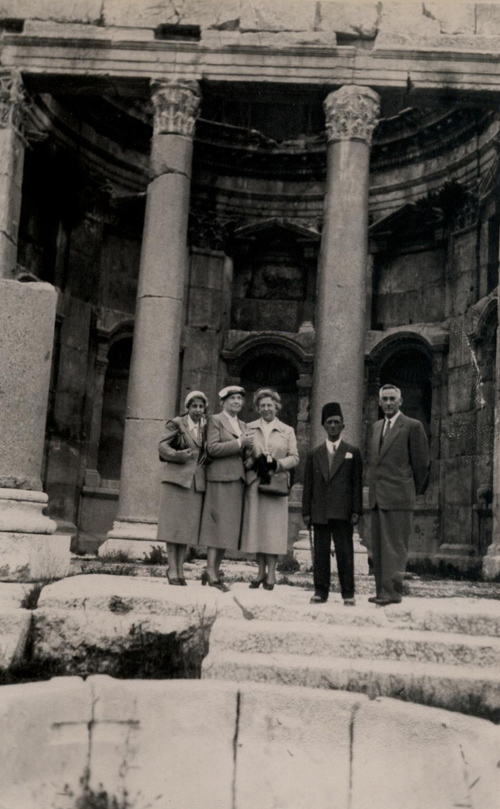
(281, 444)
(223, 449)
(177, 467)
(334, 495)
(399, 469)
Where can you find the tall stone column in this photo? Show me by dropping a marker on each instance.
(154, 368)
(12, 146)
(491, 562)
(351, 116)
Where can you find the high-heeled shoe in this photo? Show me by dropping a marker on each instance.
(255, 584)
(174, 580)
(182, 581)
(266, 585)
(205, 579)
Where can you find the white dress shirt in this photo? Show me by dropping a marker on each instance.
(389, 423)
(267, 427)
(332, 446)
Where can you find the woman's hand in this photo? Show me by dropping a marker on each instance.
(185, 455)
(247, 440)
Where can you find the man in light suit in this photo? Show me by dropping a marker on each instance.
(332, 502)
(399, 471)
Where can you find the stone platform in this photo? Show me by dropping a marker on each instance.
(439, 652)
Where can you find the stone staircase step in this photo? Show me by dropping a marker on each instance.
(14, 628)
(330, 640)
(472, 690)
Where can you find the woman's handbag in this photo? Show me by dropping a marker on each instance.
(278, 486)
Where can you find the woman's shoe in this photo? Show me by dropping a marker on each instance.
(255, 584)
(175, 581)
(182, 581)
(219, 584)
(204, 578)
(266, 585)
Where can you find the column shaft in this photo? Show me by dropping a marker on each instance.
(491, 562)
(341, 294)
(11, 169)
(158, 325)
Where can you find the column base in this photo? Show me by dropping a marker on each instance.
(132, 538)
(491, 567)
(461, 557)
(26, 557)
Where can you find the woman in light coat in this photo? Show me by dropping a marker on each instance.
(182, 451)
(265, 524)
(227, 443)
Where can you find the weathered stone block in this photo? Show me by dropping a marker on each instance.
(456, 18)
(289, 39)
(460, 389)
(33, 557)
(157, 741)
(206, 267)
(204, 308)
(14, 628)
(86, 11)
(280, 15)
(303, 736)
(487, 19)
(143, 14)
(407, 755)
(44, 744)
(401, 17)
(356, 20)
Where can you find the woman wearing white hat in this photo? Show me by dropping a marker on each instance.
(182, 450)
(227, 440)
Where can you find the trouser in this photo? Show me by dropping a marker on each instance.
(390, 540)
(341, 533)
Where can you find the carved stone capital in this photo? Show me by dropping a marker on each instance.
(176, 107)
(351, 113)
(11, 99)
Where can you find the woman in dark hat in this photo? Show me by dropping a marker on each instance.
(227, 441)
(265, 524)
(182, 450)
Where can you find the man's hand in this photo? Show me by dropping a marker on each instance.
(247, 440)
(354, 519)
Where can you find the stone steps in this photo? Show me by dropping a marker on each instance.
(376, 643)
(14, 628)
(471, 690)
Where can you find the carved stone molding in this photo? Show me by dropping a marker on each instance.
(176, 106)
(351, 113)
(11, 100)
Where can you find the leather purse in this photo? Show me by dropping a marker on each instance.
(278, 486)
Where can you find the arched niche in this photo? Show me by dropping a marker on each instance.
(276, 371)
(410, 370)
(114, 408)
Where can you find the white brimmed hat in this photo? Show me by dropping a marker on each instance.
(195, 394)
(225, 392)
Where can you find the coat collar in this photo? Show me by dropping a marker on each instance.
(389, 440)
(278, 425)
(229, 425)
(185, 424)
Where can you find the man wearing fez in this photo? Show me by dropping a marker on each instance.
(332, 503)
(399, 471)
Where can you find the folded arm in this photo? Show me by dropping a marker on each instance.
(165, 448)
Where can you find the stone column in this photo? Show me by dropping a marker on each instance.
(491, 562)
(351, 117)
(154, 368)
(92, 476)
(11, 168)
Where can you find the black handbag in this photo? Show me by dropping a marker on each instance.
(278, 486)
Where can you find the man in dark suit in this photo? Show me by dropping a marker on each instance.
(399, 471)
(332, 503)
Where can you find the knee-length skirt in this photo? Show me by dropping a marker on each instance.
(180, 514)
(265, 522)
(222, 513)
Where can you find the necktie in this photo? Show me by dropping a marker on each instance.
(385, 431)
(330, 460)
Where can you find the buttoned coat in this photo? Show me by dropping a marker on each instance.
(224, 450)
(177, 466)
(399, 468)
(265, 518)
(281, 444)
(336, 494)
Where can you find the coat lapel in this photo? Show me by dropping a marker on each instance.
(377, 432)
(338, 457)
(229, 427)
(323, 461)
(389, 439)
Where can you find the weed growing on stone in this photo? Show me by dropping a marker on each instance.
(157, 556)
(288, 565)
(115, 556)
(30, 598)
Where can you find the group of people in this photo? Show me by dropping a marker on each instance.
(225, 485)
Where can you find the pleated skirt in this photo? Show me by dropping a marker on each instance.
(180, 514)
(222, 514)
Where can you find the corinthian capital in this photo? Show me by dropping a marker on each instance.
(11, 99)
(351, 113)
(176, 106)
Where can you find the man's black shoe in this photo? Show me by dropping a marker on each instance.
(317, 599)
